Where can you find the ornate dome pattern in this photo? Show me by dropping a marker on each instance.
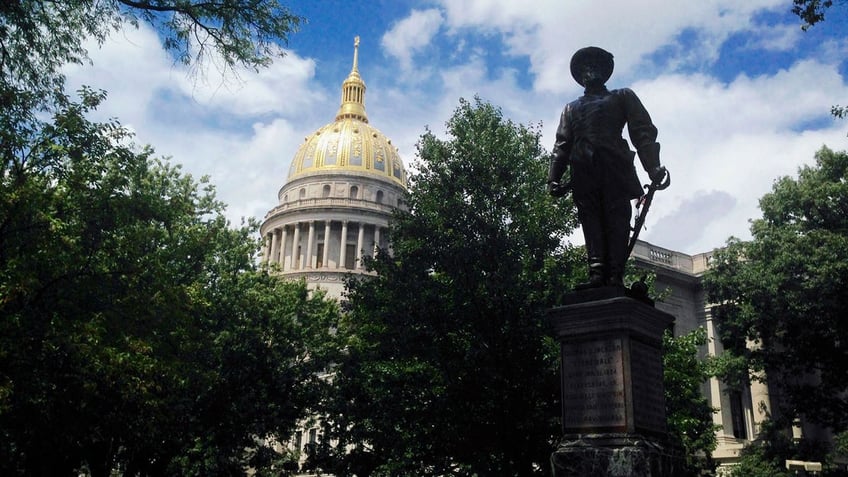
(349, 144)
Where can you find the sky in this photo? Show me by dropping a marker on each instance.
(739, 93)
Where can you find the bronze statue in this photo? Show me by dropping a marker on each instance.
(603, 179)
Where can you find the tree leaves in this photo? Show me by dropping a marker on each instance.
(781, 296)
(39, 37)
(137, 331)
(688, 411)
(450, 370)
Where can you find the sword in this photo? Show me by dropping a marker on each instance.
(644, 204)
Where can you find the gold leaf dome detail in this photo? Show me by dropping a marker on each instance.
(349, 143)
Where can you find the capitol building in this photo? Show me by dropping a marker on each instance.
(345, 180)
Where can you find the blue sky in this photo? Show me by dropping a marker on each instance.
(740, 95)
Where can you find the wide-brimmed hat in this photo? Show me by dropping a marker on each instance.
(594, 55)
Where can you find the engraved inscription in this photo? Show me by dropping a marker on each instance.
(648, 398)
(593, 384)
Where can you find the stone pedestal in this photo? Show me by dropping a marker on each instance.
(613, 406)
(614, 455)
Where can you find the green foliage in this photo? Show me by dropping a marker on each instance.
(136, 333)
(767, 456)
(781, 297)
(689, 413)
(810, 11)
(449, 370)
(39, 37)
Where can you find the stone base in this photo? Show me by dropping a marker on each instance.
(614, 455)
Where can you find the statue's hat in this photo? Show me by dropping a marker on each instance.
(596, 56)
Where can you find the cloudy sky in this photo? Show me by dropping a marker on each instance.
(740, 95)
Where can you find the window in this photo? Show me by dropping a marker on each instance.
(302, 194)
(350, 256)
(354, 192)
(737, 415)
(326, 191)
(379, 197)
(320, 256)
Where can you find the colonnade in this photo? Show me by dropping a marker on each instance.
(321, 244)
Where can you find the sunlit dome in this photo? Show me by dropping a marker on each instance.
(349, 144)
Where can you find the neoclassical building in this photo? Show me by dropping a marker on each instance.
(343, 183)
(345, 180)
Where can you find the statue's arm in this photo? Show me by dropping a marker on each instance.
(562, 149)
(643, 133)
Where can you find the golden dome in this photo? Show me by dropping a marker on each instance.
(349, 144)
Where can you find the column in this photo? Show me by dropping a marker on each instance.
(326, 256)
(360, 245)
(376, 239)
(266, 247)
(714, 383)
(275, 245)
(295, 244)
(343, 246)
(282, 256)
(310, 242)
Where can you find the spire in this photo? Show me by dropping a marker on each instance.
(353, 91)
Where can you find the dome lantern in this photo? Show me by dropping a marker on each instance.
(353, 91)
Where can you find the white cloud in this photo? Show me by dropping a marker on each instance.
(776, 38)
(550, 31)
(242, 132)
(411, 35)
(736, 139)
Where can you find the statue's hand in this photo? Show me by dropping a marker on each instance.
(657, 174)
(558, 190)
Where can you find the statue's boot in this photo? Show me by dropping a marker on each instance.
(616, 277)
(596, 277)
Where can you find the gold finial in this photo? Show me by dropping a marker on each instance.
(353, 91)
(355, 53)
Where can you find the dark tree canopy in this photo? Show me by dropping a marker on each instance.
(136, 332)
(786, 291)
(449, 370)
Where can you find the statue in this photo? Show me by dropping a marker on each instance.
(603, 179)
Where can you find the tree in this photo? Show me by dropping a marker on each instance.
(448, 368)
(781, 296)
(137, 335)
(39, 37)
(689, 413)
(810, 11)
